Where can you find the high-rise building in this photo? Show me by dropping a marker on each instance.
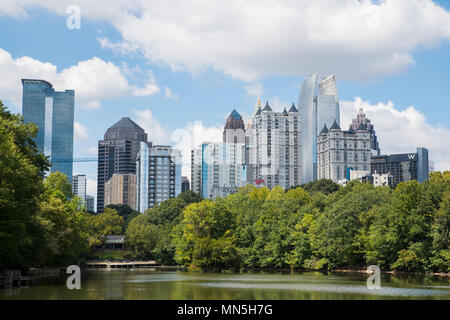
(158, 175)
(120, 189)
(117, 153)
(90, 203)
(361, 118)
(430, 166)
(196, 170)
(79, 184)
(339, 152)
(52, 111)
(274, 154)
(221, 168)
(404, 167)
(234, 130)
(319, 105)
(184, 184)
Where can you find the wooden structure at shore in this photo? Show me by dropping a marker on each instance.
(110, 265)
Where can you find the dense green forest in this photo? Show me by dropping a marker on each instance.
(317, 226)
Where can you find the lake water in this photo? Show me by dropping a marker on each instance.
(121, 284)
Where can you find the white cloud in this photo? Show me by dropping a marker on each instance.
(401, 131)
(92, 80)
(194, 134)
(252, 39)
(169, 94)
(254, 89)
(80, 131)
(156, 132)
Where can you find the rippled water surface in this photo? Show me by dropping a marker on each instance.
(182, 285)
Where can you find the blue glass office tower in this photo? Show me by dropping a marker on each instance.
(318, 105)
(53, 112)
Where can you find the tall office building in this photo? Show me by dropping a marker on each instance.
(158, 175)
(274, 152)
(361, 118)
(185, 186)
(220, 168)
(53, 112)
(196, 170)
(234, 130)
(90, 203)
(340, 152)
(120, 189)
(319, 105)
(79, 184)
(117, 153)
(404, 167)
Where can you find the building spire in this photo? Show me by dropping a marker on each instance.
(259, 102)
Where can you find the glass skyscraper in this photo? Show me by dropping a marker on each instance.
(318, 105)
(52, 111)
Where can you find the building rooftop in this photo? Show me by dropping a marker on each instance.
(324, 129)
(293, 108)
(126, 123)
(267, 107)
(335, 126)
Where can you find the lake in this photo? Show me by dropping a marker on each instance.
(148, 285)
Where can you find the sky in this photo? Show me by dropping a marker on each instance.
(178, 68)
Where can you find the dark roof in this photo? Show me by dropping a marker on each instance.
(234, 121)
(267, 107)
(126, 123)
(258, 112)
(324, 129)
(350, 130)
(235, 115)
(361, 126)
(293, 108)
(335, 126)
(284, 111)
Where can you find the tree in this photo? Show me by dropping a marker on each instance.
(124, 211)
(22, 168)
(325, 186)
(58, 181)
(141, 237)
(107, 223)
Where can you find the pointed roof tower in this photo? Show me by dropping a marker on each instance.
(234, 121)
(335, 126)
(361, 127)
(267, 107)
(324, 129)
(293, 108)
(350, 130)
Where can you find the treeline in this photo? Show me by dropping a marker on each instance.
(320, 226)
(41, 223)
(317, 226)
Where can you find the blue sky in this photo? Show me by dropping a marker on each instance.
(197, 62)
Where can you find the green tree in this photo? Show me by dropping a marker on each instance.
(107, 223)
(141, 237)
(22, 169)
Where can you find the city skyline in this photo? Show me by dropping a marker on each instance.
(113, 76)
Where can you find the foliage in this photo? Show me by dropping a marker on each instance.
(107, 223)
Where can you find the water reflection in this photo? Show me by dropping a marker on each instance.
(119, 284)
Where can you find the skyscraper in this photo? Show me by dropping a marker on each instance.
(158, 175)
(120, 189)
(234, 130)
(53, 112)
(339, 152)
(361, 118)
(117, 153)
(319, 105)
(79, 184)
(184, 184)
(274, 147)
(404, 167)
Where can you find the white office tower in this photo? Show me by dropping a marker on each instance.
(158, 173)
(221, 168)
(340, 152)
(319, 105)
(274, 147)
(79, 186)
(196, 170)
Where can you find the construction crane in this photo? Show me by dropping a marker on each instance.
(61, 160)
